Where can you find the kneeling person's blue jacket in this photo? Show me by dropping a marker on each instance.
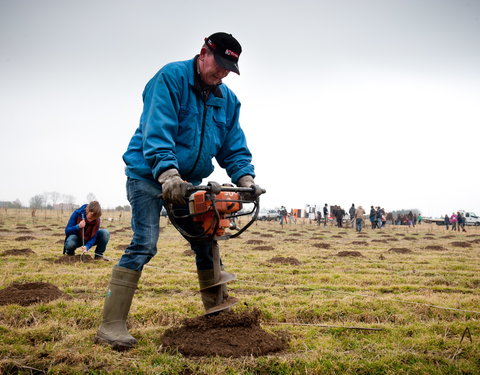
(181, 128)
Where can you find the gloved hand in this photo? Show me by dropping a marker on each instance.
(247, 181)
(173, 187)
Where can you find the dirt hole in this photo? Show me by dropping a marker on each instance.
(285, 260)
(17, 252)
(363, 243)
(24, 238)
(68, 259)
(254, 242)
(228, 334)
(400, 250)
(29, 293)
(434, 247)
(263, 248)
(349, 254)
(461, 244)
(322, 245)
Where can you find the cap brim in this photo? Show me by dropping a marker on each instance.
(227, 64)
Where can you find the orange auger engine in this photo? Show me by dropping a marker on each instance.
(212, 214)
(214, 209)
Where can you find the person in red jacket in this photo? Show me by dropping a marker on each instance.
(83, 231)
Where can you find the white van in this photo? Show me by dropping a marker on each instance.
(471, 218)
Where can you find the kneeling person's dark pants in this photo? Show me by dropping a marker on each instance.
(73, 242)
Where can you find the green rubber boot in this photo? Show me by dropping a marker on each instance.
(113, 330)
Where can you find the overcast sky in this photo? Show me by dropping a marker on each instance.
(366, 102)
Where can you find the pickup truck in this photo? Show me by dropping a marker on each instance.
(268, 215)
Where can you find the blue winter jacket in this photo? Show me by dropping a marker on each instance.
(73, 228)
(179, 129)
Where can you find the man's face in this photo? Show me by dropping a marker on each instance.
(210, 72)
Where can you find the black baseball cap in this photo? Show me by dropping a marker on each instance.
(226, 50)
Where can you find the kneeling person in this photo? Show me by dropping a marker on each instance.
(83, 231)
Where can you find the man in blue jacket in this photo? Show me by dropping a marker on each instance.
(83, 230)
(189, 117)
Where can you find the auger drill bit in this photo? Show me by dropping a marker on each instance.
(221, 278)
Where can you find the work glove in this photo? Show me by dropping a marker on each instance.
(247, 181)
(173, 187)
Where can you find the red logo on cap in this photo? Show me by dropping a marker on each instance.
(211, 44)
(231, 53)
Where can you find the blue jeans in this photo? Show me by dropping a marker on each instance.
(359, 223)
(146, 209)
(73, 242)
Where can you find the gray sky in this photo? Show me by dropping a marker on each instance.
(366, 102)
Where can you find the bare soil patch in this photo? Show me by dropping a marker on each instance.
(409, 238)
(228, 334)
(263, 247)
(285, 260)
(17, 252)
(322, 245)
(121, 247)
(434, 247)
(189, 252)
(382, 241)
(400, 250)
(29, 293)
(266, 235)
(291, 240)
(349, 253)
(461, 244)
(25, 238)
(337, 236)
(69, 259)
(448, 236)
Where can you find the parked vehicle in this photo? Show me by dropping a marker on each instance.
(268, 215)
(471, 218)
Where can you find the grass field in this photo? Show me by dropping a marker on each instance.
(419, 286)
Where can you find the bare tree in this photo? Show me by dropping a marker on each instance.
(36, 202)
(54, 196)
(91, 197)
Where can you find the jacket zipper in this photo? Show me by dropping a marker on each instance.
(201, 136)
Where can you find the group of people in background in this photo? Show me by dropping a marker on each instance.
(456, 220)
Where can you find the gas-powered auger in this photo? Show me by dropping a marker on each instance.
(215, 208)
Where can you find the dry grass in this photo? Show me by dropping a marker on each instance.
(308, 287)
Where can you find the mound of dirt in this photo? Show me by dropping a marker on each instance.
(30, 293)
(254, 242)
(410, 239)
(382, 241)
(121, 247)
(24, 238)
(263, 248)
(189, 252)
(349, 254)
(266, 235)
(337, 236)
(296, 235)
(400, 250)
(322, 245)
(228, 334)
(17, 252)
(434, 247)
(283, 260)
(461, 244)
(68, 259)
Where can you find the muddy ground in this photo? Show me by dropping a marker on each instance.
(228, 334)
(29, 293)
